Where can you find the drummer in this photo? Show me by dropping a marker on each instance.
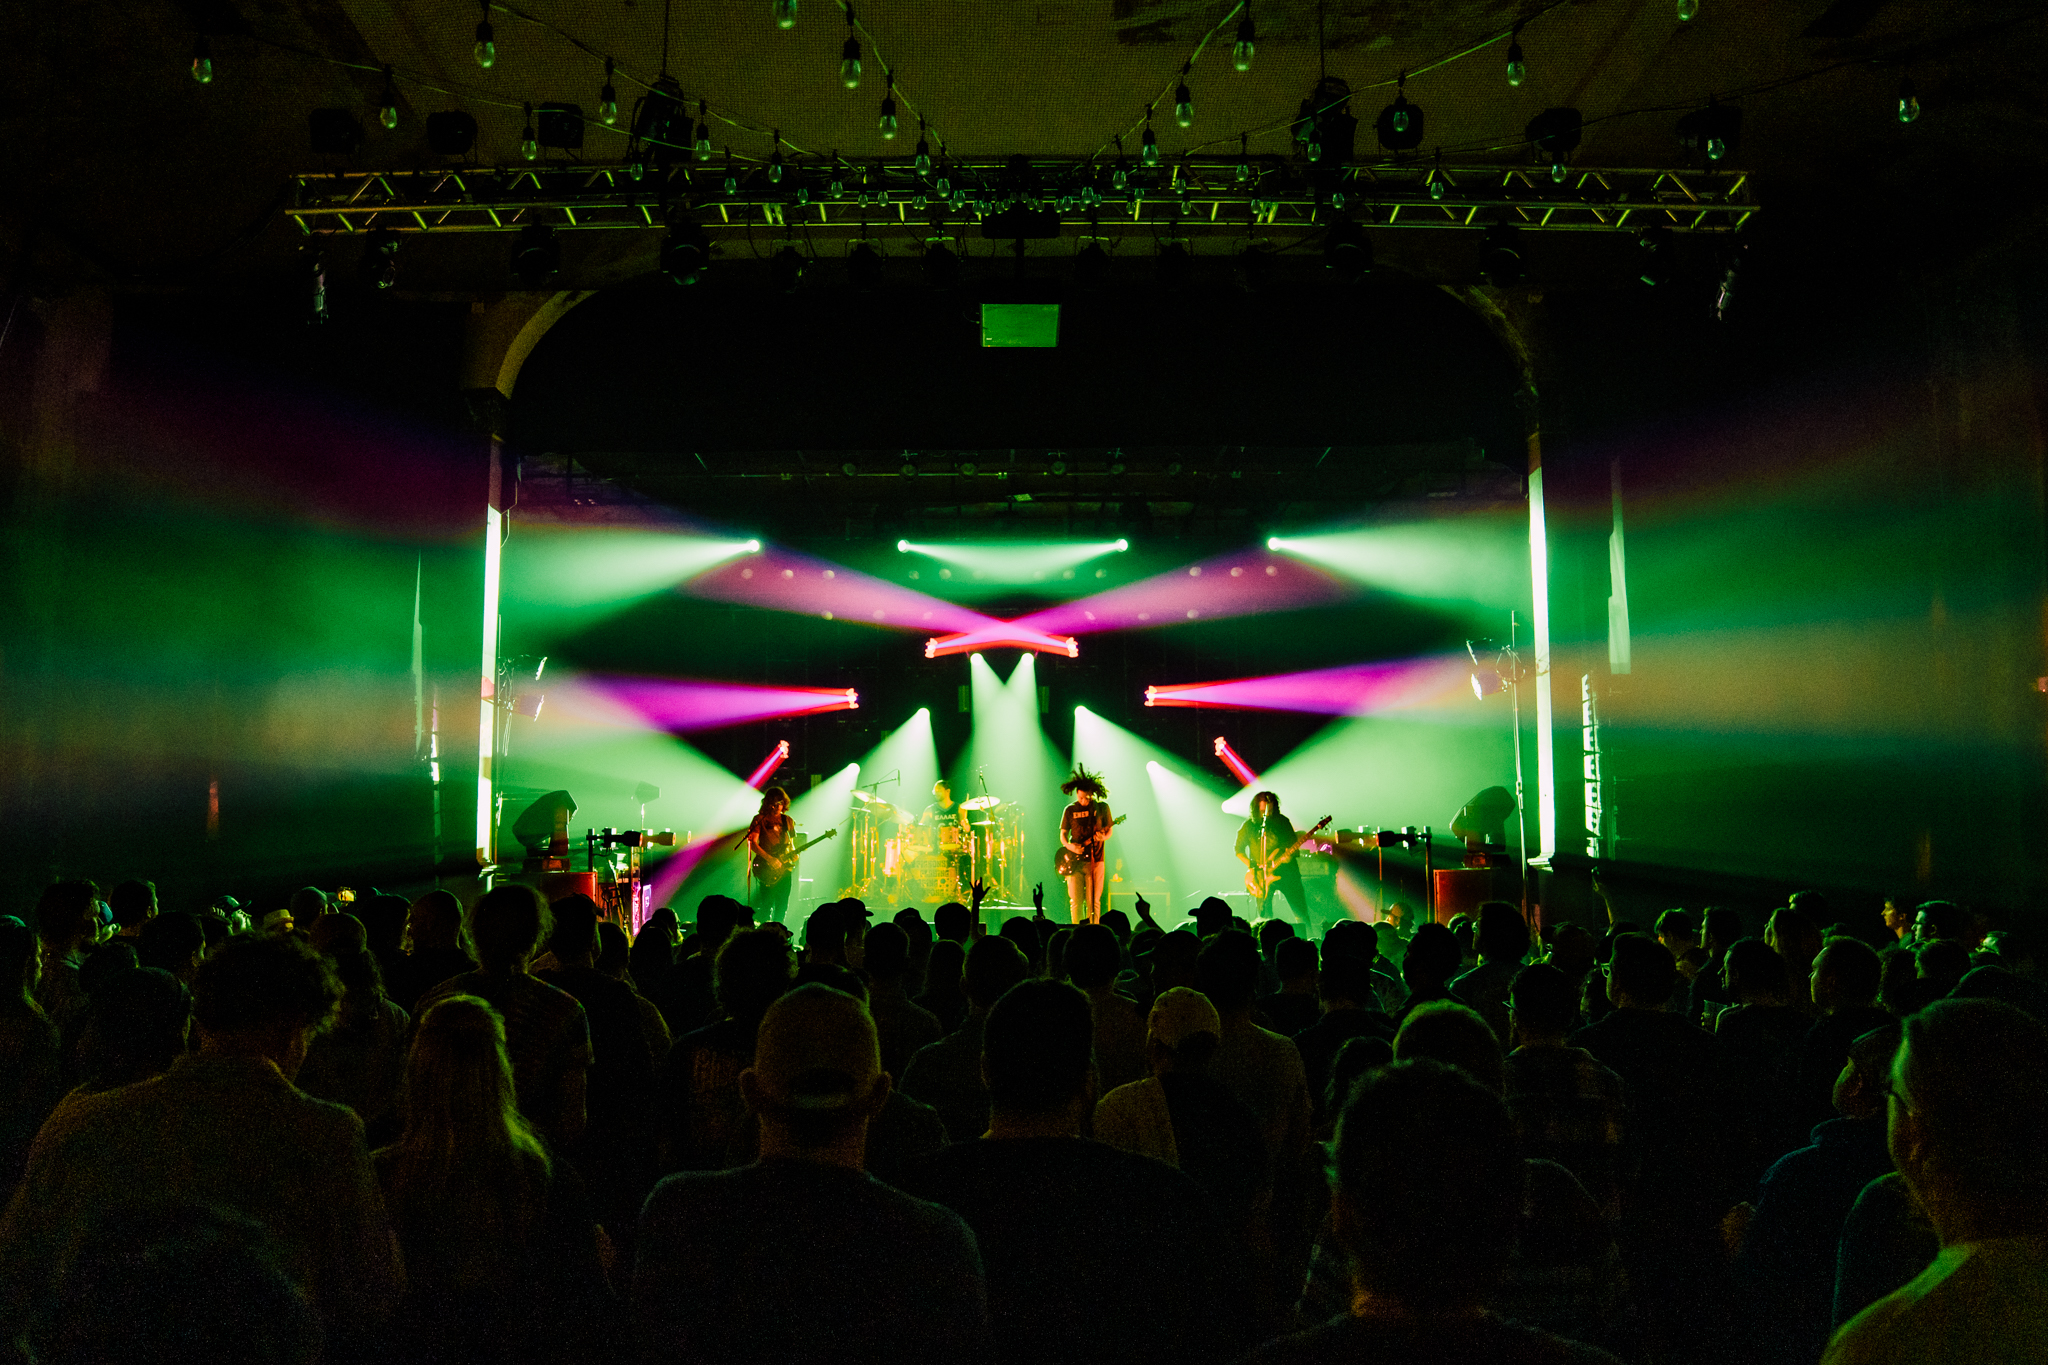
(943, 814)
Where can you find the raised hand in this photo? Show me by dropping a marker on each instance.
(1038, 900)
(980, 891)
(1144, 909)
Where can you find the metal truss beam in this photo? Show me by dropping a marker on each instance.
(1192, 198)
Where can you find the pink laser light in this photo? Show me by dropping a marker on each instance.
(1239, 769)
(779, 580)
(1003, 635)
(676, 869)
(769, 764)
(680, 705)
(1351, 690)
(1241, 584)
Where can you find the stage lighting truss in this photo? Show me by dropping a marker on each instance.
(1192, 197)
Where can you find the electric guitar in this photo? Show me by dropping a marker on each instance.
(1259, 880)
(1066, 863)
(769, 870)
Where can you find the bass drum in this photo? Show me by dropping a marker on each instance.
(934, 882)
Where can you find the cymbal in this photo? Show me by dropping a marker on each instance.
(982, 803)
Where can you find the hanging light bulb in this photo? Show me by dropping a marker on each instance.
(1241, 50)
(1437, 189)
(849, 55)
(608, 98)
(1909, 99)
(1716, 148)
(486, 49)
(837, 188)
(1119, 180)
(1183, 103)
(1688, 10)
(1337, 199)
(638, 170)
(775, 160)
(785, 13)
(202, 60)
(387, 107)
(887, 123)
(529, 146)
(1244, 162)
(1518, 70)
(943, 187)
(702, 149)
(1148, 146)
(1558, 171)
(1401, 116)
(923, 160)
(732, 179)
(1437, 186)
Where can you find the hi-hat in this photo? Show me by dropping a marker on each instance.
(982, 803)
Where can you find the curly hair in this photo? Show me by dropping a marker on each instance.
(1085, 781)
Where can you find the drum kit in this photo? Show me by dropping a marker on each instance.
(898, 861)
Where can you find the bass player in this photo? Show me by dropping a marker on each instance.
(1266, 844)
(1085, 826)
(771, 856)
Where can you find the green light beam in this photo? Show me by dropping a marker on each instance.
(1009, 747)
(1476, 563)
(1176, 847)
(1015, 563)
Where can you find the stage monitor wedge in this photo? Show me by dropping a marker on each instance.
(1020, 324)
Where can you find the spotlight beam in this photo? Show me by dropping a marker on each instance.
(1239, 769)
(767, 766)
(1246, 583)
(1351, 690)
(780, 580)
(682, 705)
(1002, 635)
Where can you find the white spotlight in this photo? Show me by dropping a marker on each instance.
(753, 547)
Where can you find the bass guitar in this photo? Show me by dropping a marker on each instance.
(1259, 878)
(1066, 862)
(769, 870)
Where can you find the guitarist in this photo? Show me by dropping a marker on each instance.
(771, 859)
(1085, 826)
(1266, 844)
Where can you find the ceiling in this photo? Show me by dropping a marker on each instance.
(127, 170)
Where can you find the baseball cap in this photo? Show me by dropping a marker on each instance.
(817, 1050)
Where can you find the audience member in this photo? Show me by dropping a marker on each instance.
(1350, 1010)
(1429, 1241)
(1968, 1131)
(172, 943)
(1503, 941)
(1846, 977)
(30, 1057)
(800, 1256)
(226, 1127)
(943, 992)
(615, 960)
(501, 1256)
(1760, 1037)
(179, 1284)
(1720, 925)
(1901, 991)
(1785, 1268)
(1433, 958)
(903, 1025)
(1356, 1057)
(1886, 1241)
(1946, 920)
(140, 1024)
(685, 992)
(703, 1119)
(1294, 1005)
(67, 923)
(1127, 1264)
(1567, 1106)
(132, 905)
(1257, 1065)
(953, 923)
(1942, 964)
(1093, 961)
(1793, 932)
(947, 1074)
(433, 949)
(546, 1030)
(359, 1059)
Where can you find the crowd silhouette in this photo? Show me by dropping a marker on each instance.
(510, 1132)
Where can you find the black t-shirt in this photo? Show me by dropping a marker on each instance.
(1093, 1254)
(790, 1261)
(1279, 833)
(1483, 1340)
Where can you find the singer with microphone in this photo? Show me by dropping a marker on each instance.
(1266, 845)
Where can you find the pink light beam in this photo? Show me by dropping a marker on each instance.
(769, 764)
(680, 705)
(1239, 769)
(1003, 635)
(1249, 582)
(1351, 690)
(779, 580)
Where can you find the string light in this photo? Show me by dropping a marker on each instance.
(1909, 99)
(702, 151)
(1241, 50)
(1148, 146)
(887, 123)
(1518, 69)
(775, 159)
(1688, 10)
(486, 49)
(1244, 163)
(608, 98)
(529, 146)
(923, 160)
(387, 107)
(1183, 102)
(849, 55)
(1437, 187)
(785, 13)
(732, 180)
(202, 60)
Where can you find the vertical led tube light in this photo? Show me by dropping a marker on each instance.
(487, 718)
(1546, 757)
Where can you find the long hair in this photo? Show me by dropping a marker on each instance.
(769, 796)
(1272, 798)
(1085, 781)
(466, 1180)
